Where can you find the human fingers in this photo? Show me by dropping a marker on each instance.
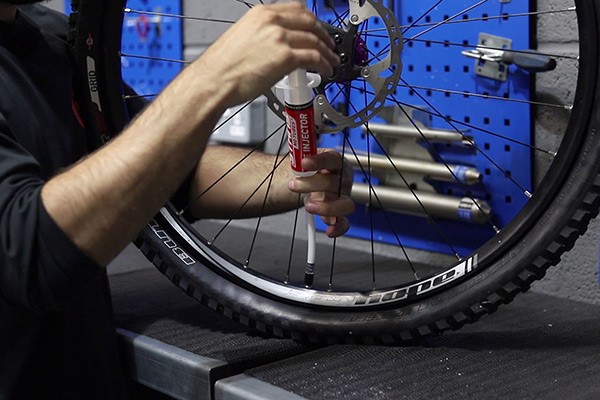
(336, 226)
(263, 46)
(309, 41)
(294, 16)
(325, 159)
(336, 174)
(339, 207)
(323, 183)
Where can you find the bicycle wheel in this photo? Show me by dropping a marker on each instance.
(476, 163)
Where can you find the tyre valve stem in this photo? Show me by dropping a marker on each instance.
(309, 275)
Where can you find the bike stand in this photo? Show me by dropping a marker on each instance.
(537, 347)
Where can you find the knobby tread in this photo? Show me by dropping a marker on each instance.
(477, 305)
(536, 270)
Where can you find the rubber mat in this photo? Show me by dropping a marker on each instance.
(147, 303)
(538, 347)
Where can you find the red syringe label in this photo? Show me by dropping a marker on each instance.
(302, 141)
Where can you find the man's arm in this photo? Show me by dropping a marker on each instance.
(103, 201)
(215, 196)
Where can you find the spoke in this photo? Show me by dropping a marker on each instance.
(188, 17)
(452, 173)
(380, 217)
(504, 172)
(138, 96)
(471, 46)
(340, 19)
(289, 266)
(447, 20)
(504, 16)
(232, 116)
(239, 210)
(470, 126)
(382, 209)
(412, 191)
(371, 227)
(171, 60)
(339, 192)
(264, 203)
(477, 128)
(233, 167)
(330, 284)
(415, 22)
(370, 181)
(567, 107)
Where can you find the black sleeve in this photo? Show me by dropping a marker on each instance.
(40, 268)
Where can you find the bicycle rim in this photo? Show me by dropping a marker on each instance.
(386, 282)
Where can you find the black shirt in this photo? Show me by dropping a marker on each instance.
(57, 338)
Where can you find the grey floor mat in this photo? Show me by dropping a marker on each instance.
(538, 347)
(145, 302)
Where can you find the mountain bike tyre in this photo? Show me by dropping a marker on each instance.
(522, 253)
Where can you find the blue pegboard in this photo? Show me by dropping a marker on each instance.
(429, 63)
(146, 34)
(150, 32)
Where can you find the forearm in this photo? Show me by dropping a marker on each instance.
(259, 184)
(103, 201)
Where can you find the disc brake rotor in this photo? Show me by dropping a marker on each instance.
(376, 73)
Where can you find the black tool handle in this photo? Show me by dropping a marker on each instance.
(530, 61)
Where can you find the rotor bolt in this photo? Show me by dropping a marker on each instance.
(320, 100)
(354, 18)
(366, 72)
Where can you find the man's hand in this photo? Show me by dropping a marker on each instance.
(329, 190)
(267, 43)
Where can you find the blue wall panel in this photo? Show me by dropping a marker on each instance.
(433, 69)
(159, 37)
